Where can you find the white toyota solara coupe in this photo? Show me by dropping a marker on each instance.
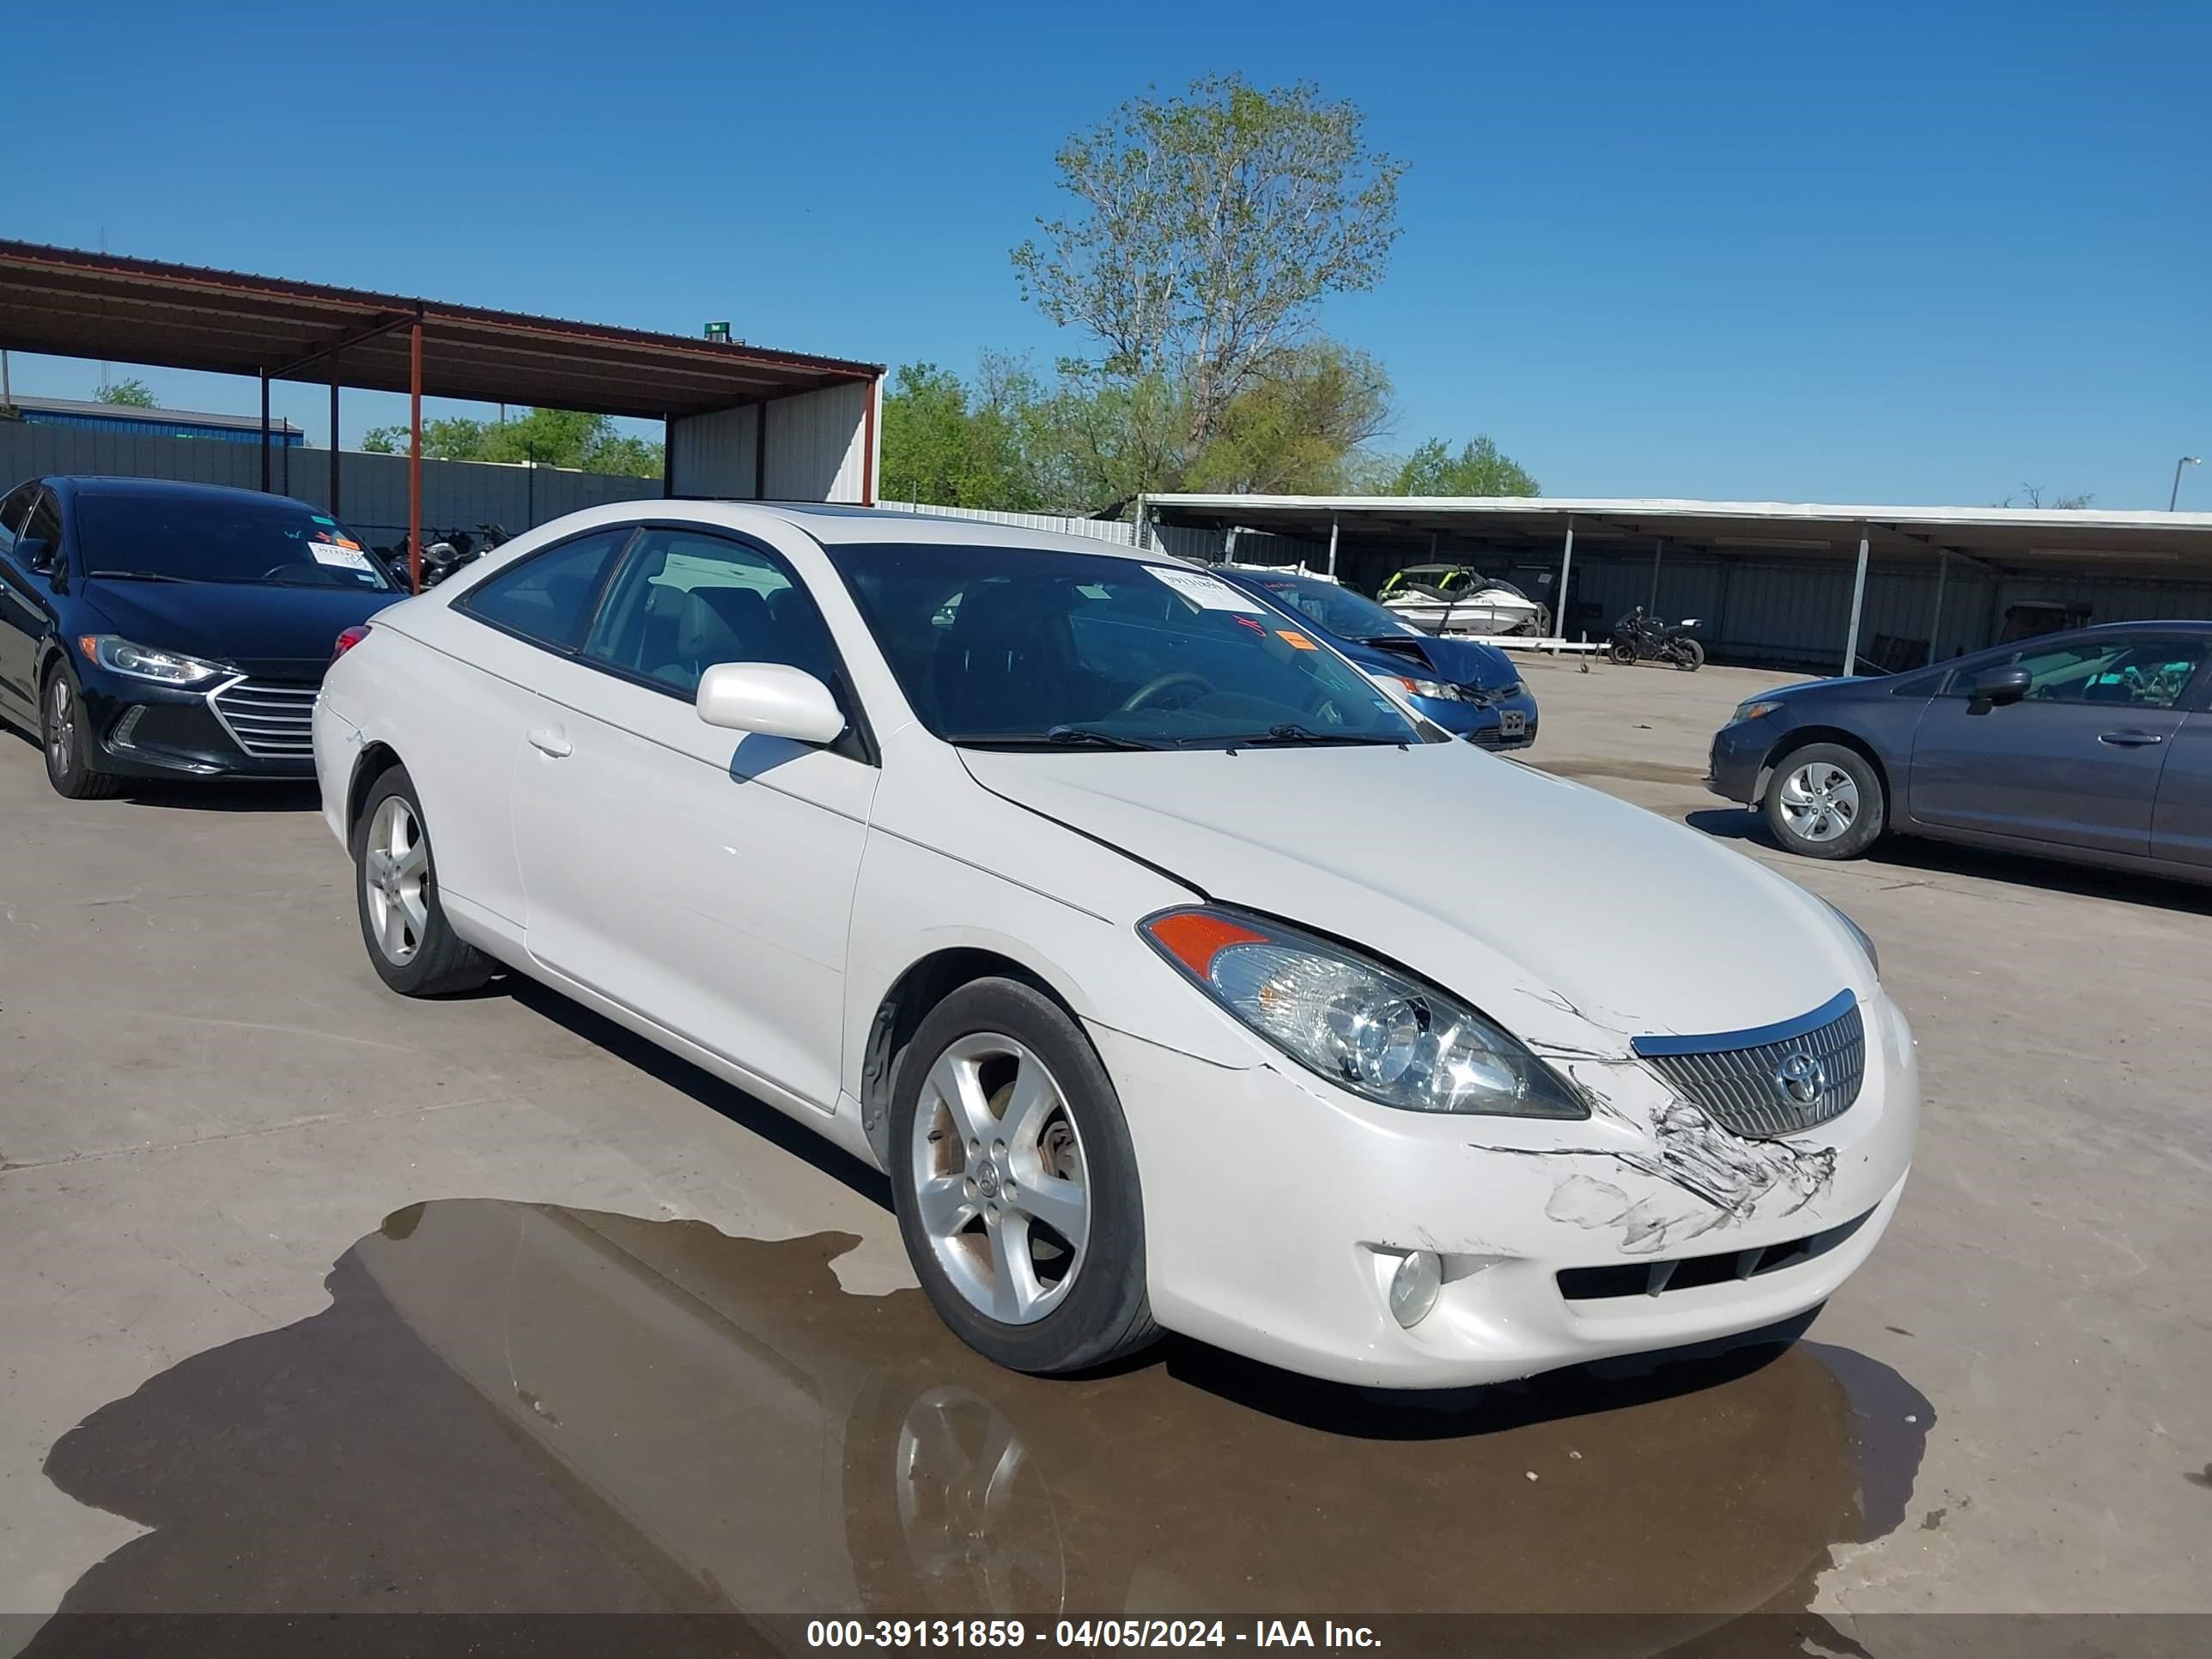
(1095, 903)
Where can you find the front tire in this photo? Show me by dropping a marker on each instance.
(1621, 654)
(411, 943)
(65, 734)
(1825, 801)
(1016, 1184)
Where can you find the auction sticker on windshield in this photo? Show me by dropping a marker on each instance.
(343, 558)
(1202, 590)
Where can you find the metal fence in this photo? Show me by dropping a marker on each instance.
(372, 488)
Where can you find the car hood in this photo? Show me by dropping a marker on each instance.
(1577, 920)
(1455, 661)
(273, 632)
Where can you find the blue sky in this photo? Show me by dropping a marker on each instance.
(1851, 252)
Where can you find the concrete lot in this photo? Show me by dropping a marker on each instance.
(209, 1107)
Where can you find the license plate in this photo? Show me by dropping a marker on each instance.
(1512, 723)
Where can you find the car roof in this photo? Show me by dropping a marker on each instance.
(835, 525)
(2169, 626)
(105, 484)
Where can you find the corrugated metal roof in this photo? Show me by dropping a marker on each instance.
(79, 304)
(2020, 538)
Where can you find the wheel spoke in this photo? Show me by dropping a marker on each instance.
(413, 860)
(394, 932)
(1062, 1206)
(416, 912)
(944, 1205)
(1014, 1287)
(954, 1081)
(1031, 1101)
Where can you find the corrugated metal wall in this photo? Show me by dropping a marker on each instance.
(714, 455)
(817, 447)
(1795, 614)
(456, 494)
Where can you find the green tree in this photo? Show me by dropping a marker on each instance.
(1298, 428)
(1207, 230)
(1478, 469)
(550, 437)
(947, 444)
(132, 394)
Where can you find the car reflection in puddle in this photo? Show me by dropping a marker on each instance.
(516, 1407)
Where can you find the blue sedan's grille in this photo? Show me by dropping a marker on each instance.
(1765, 1085)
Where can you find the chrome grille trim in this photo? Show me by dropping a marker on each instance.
(267, 720)
(1736, 1080)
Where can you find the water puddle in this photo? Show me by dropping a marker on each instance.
(516, 1407)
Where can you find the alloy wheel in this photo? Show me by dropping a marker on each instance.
(395, 874)
(1819, 801)
(61, 726)
(1000, 1184)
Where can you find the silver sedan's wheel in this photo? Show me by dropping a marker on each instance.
(1000, 1183)
(1820, 801)
(395, 864)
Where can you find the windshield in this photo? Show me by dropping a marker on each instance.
(230, 538)
(1348, 615)
(1002, 647)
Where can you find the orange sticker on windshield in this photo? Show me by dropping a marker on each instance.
(1297, 642)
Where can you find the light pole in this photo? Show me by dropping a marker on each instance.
(2186, 460)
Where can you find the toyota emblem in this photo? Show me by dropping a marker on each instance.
(1801, 1079)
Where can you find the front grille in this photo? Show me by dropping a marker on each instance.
(1743, 1084)
(268, 721)
(1688, 1273)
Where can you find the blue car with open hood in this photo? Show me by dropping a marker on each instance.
(151, 630)
(1471, 689)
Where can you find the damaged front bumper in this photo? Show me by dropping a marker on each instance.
(1276, 1208)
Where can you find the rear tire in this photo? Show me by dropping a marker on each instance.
(411, 944)
(67, 739)
(1825, 801)
(1006, 1142)
(1689, 656)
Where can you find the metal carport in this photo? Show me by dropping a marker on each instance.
(1939, 574)
(714, 396)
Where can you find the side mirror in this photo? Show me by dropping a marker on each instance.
(1997, 688)
(770, 698)
(36, 552)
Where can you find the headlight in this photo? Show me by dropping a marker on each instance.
(1866, 943)
(1413, 688)
(1364, 1027)
(1757, 708)
(142, 663)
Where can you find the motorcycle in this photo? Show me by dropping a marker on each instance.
(1639, 638)
(456, 549)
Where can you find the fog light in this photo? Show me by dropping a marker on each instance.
(1413, 1287)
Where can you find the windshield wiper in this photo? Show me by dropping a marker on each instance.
(134, 576)
(1288, 732)
(1057, 736)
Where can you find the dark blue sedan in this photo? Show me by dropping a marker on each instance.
(1471, 689)
(172, 631)
(2093, 746)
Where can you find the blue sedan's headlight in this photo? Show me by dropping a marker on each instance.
(1365, 1027)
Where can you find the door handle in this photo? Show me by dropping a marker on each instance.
(548, 740)
(2130, 740)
